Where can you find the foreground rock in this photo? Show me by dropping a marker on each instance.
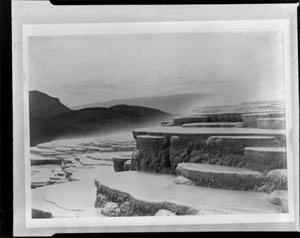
(162, 193)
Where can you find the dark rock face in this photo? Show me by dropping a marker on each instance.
(154, 154)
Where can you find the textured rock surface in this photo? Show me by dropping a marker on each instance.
(154, 154)
(215, 176)
(271, 123)
(275, 180)
(265, 158)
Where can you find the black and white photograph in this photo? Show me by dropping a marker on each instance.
(159, 123)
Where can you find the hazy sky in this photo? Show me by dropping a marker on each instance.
(86, 69)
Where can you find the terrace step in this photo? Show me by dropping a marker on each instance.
(213, 124)
(238, 143)
(157, 191)
(250, 120)
(265, 158)
(216, 176)
(271, 123)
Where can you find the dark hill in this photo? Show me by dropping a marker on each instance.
(41, 104)
(91, 121)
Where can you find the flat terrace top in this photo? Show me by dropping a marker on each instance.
(207, 131)
(163, 189)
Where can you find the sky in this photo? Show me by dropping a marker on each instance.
(95, 68)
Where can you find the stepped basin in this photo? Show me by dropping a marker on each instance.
(181, 120)
(238, 143)
(213, 124)
(265, 158)
(216, 176)
(271, 123)
(157, 191)
(250, 120)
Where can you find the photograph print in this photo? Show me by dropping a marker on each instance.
(176, 119)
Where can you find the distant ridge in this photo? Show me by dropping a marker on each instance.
(174, 104)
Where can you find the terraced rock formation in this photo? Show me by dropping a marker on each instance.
(184, 167)
(221, 151)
